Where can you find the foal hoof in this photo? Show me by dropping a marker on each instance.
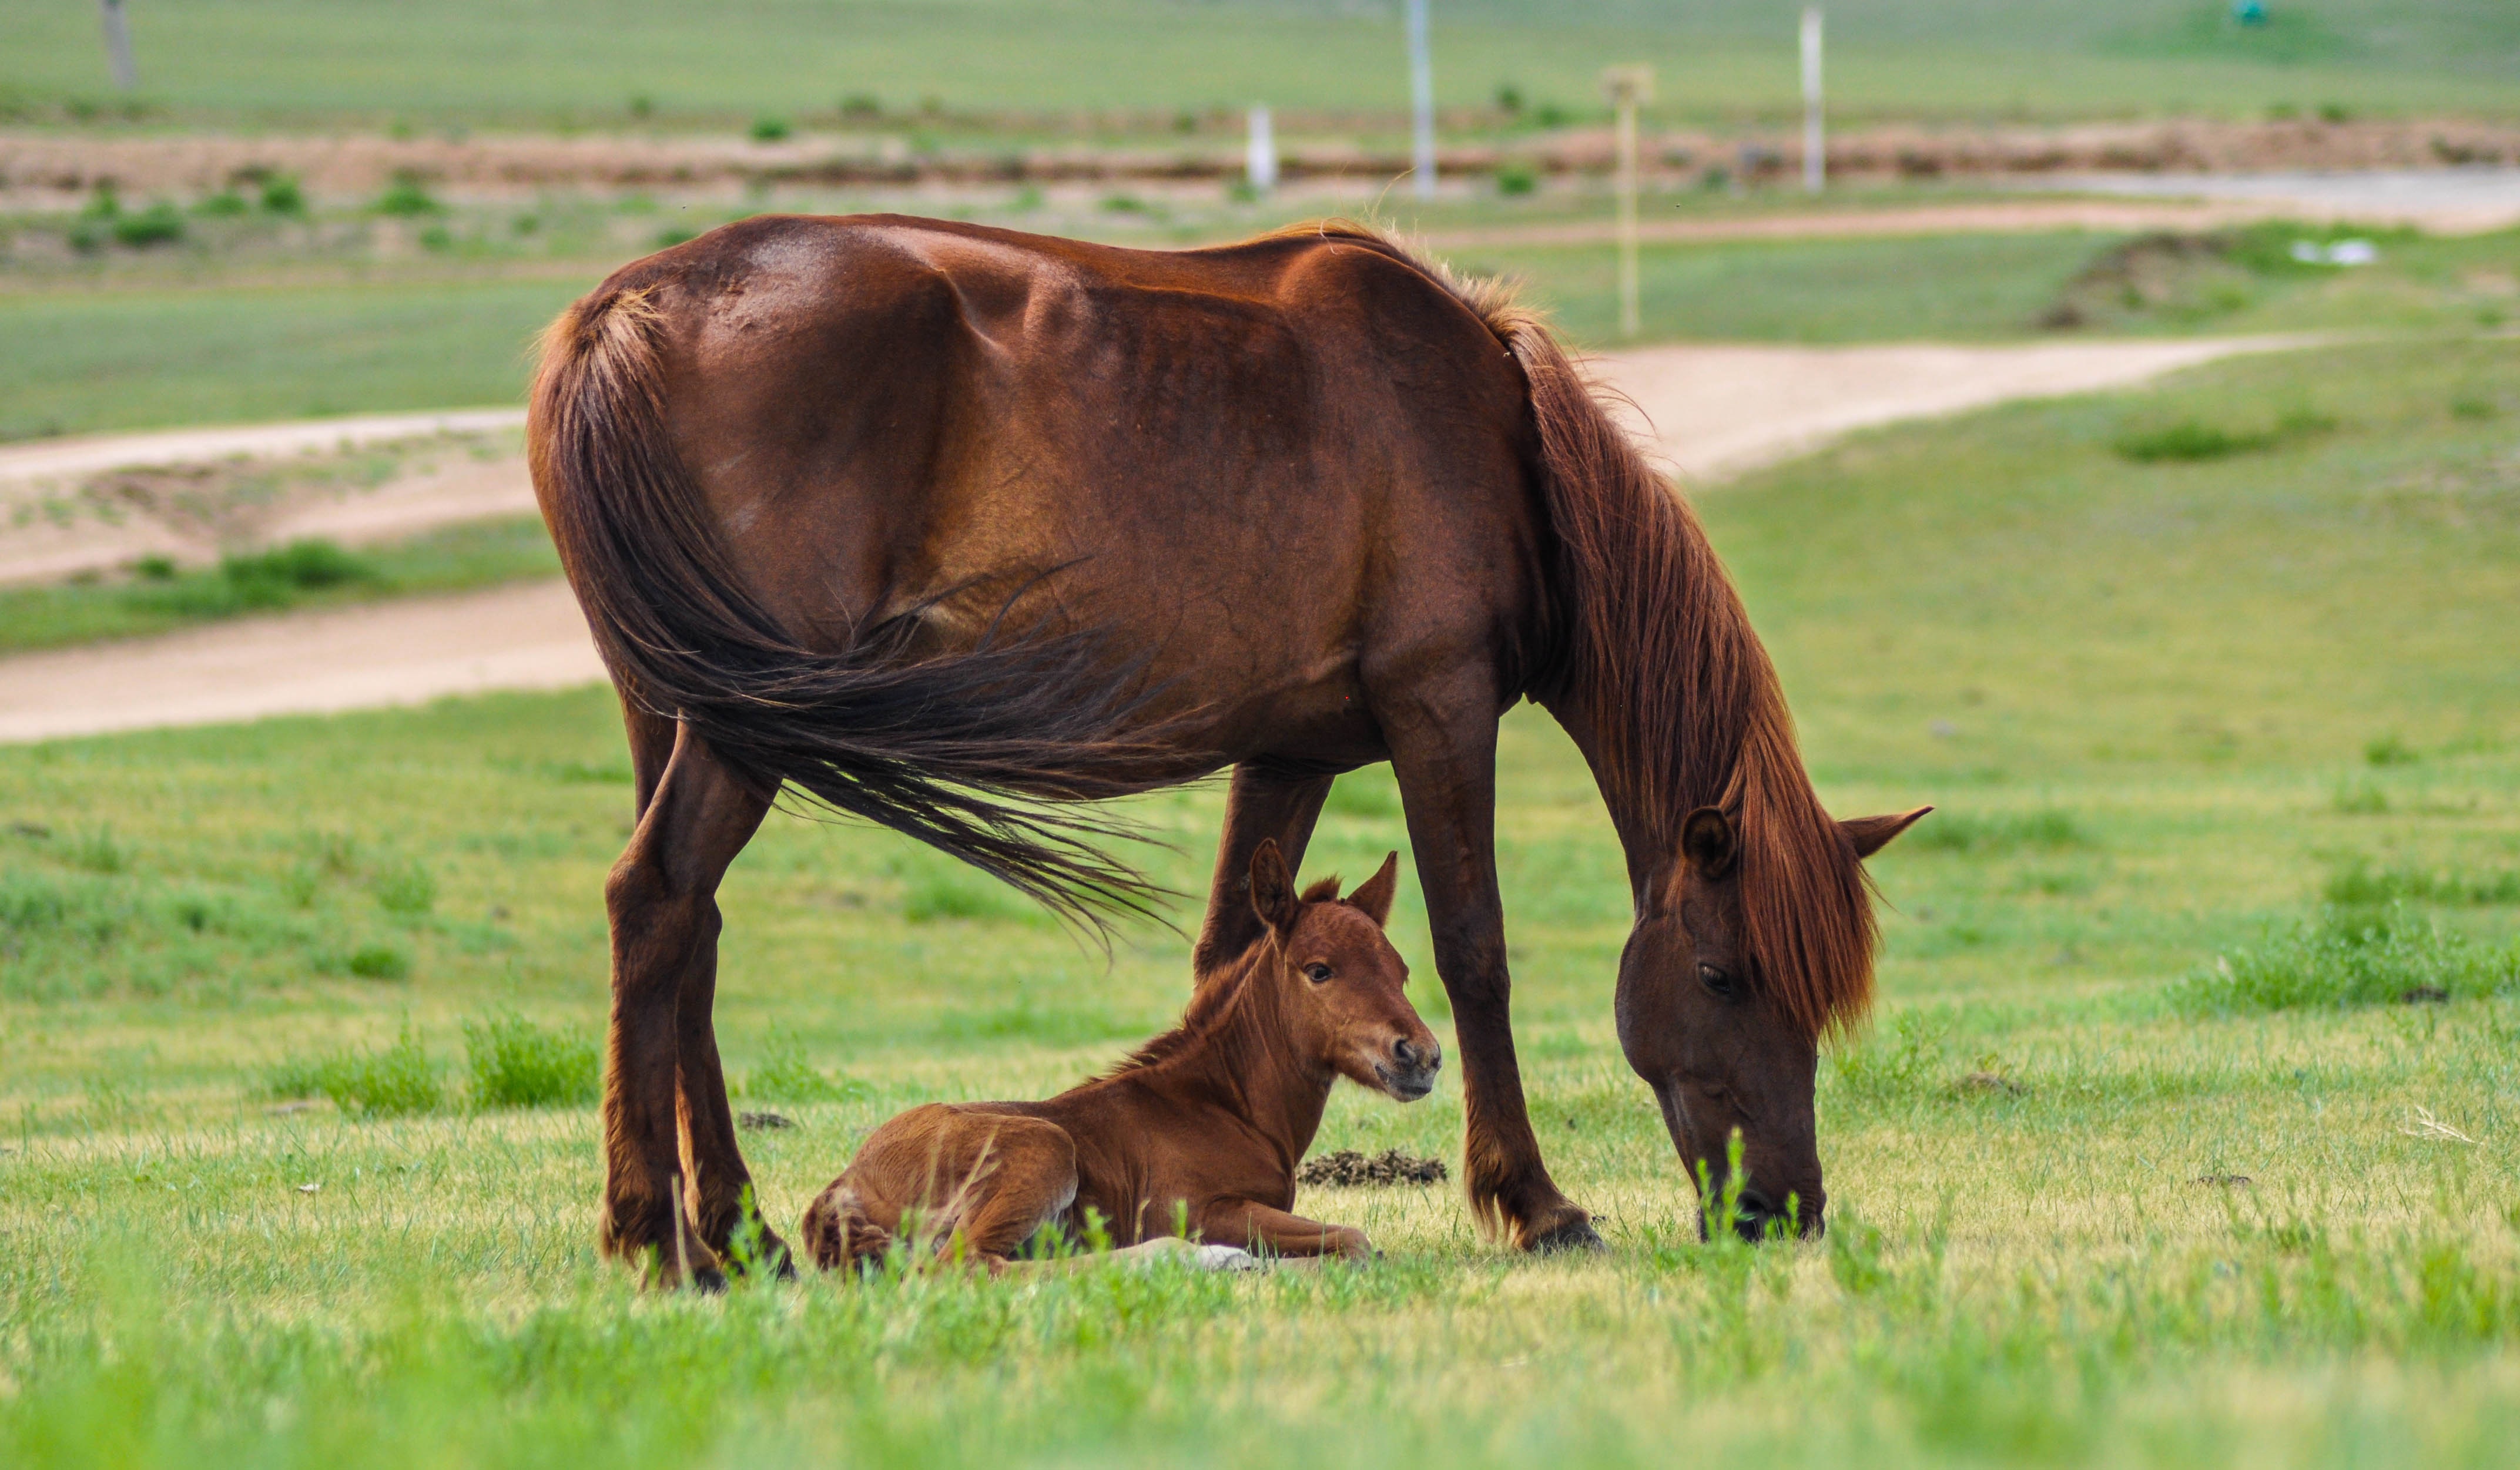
(1576, 1234)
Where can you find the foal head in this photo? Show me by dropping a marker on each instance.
(1338, 980)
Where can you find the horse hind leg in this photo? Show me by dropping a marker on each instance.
(663, 906)
(1023, 1176)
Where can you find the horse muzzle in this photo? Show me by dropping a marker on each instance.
(1408, 1071)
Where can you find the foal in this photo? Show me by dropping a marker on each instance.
(1196, 1134)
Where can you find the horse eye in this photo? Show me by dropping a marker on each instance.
(1317, 973)
(1717, 979)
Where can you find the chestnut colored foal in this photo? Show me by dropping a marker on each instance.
(1198, 1133)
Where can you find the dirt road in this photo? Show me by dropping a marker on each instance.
(1714, 410)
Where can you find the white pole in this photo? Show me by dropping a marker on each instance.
(1815, 144)
(1625, 88)
(1421, 99)
(118, 43)
(1260, 151)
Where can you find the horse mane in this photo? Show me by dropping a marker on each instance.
(1683, 706)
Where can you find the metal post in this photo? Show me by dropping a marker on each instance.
(1625, 88)
(1814, 143)
(1421, 100)
(1260, 151)
(118, 44)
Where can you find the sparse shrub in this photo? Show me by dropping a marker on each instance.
(668, 237)
(281, 194)
(1515, 177)
(227, 203)
(641, 106)
(2188, 440)
(2358, 885)
(407, 889)
(96, 851)
(2349, 956)
(399, 1081)
(1961, 832)
(860, 106)
(1124, 203)
(2389, 750)
(159, 224)
(786, 1076)
(437, 238)
(769, 129)
(377, 962)
(310, 565)
(515, 1063)
(408, 196)
(1508, 99)
(2359, 799)
(1905, 1065)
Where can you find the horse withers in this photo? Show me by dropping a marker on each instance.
(1196, 1135)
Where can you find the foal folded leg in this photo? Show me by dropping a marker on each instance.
(1265, 1229)
(662, 900)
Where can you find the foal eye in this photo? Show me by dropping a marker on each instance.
(1717, 979)
(1317, 973)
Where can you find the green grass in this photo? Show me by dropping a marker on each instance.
(304, 574)
(2077, 1219)
(83, 362)
(636, 62)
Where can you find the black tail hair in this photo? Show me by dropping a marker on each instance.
(960, 751)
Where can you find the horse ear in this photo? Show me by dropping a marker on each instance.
(1706, 840)
(1870, 834)
(1273, 887)
(1374, 895)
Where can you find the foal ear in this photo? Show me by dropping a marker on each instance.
(1870, 834)
(1706, 840)
(1374, 895)
(1273, 887)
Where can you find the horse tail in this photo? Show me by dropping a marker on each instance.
(838, 1232)
(960, 751)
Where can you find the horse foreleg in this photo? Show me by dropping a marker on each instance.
(1261, 804)
(1263, 1229)
(1444, 755)
(662, 901)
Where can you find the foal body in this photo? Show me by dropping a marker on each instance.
(1199, 1133)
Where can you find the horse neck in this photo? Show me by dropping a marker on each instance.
(1664, 686)
(1248, 1066)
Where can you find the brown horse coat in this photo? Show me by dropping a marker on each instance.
(931, 521)
(1198, 1133)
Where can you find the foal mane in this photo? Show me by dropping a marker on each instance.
(1683, 706)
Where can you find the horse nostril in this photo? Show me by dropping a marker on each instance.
(1405, 1054)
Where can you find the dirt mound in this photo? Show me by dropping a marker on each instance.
(1348, 1169)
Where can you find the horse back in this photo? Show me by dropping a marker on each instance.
(1265, 460)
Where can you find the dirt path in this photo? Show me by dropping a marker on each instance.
(1714, 410)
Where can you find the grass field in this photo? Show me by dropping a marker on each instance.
(2184, 671)
(302, 575)
(441, 62)
(148, 352)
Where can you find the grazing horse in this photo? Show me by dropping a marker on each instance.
(951, 527)
(1197, 1134)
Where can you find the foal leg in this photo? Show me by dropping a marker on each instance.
(662, 905)
(1443, 749)
(1261, 804)
(1257, 1227)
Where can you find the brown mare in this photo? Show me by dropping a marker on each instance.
(1196, 1134)
(938, 523)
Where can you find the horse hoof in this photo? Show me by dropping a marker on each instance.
(1576, 1234)
(1224, 1258)
(708, 1281)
